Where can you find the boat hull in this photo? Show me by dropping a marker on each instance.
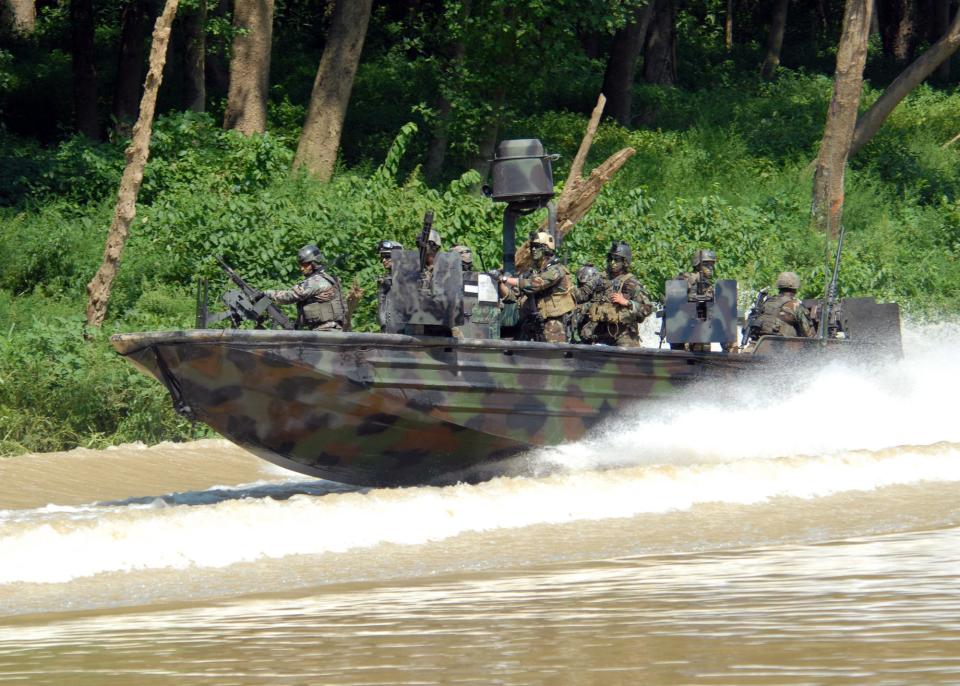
(387, 410)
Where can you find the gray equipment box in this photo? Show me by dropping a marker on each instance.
(712, 321)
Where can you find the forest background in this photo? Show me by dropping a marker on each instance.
(725, 110)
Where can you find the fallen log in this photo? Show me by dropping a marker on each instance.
(579, 193)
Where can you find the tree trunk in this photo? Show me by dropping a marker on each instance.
(909, 78)
(827, 207)
(778, 24)
(126, 96)
(622, 65)
(250, 67)
(216, 68)
(317, 150)
(942, 26)
(728, 25)
(440, 134)
(659, 63)
(84, 72)
(898, 27)
(194, 57)
(98, 290)
(20, 16)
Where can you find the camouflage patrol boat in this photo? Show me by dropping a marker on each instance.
(404, 407)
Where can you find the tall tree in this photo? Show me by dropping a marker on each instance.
(250, 66)
(126, 96)
(320, 139)
(728, 25)
(194, 57)
(828, 178)
(622, 65)
(778, 24)
(941, 20)
(20, 16)
(443, 101)
(84, 72)
(98, 290)
(660, 52)
(898, 27)
(906, 81)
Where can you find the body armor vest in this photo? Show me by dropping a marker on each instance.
(312, 312)
(776, 318)
(607, 311)
(557, 300)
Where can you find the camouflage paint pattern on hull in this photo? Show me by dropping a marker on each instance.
(384, 409)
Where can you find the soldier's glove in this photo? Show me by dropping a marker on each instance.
(495, 274)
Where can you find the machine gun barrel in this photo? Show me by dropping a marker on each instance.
(830, 296)
(255, 295)
(424, 238)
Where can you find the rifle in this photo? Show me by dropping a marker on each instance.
(754, 313)
(831, 293)
(261, 303)
(424, 238)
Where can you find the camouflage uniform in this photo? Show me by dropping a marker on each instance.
(620, 324)
(590, 287)
(700, 289)
(612, 323)
(784, 315)
(549, 299)
(318, 297)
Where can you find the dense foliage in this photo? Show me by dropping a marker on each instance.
(723, 161)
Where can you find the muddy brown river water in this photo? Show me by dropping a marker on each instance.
(808, 535)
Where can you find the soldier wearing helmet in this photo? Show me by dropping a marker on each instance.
(590, 287)
(385, 250)
(615, 317)
(433, 246)
(783, 314)
(700, 288)
(549, 303)
(466, 257)
(318, 297)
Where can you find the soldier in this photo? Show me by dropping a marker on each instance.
(385, 281)
(429, 255)
(783, 314)
(318, 297)
(614, 318)
(549, 293)
(466, 257)
(700, 280)
(700, 289)
(590, 287)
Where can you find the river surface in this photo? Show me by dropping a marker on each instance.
(807, 534)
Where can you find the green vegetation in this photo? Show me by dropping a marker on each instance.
(724, 166)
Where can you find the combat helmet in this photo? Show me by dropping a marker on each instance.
(622, 250)
(587, 274)
(543, 238)
(310, 254)
(466, 256)
(788, 281)
(386, 247)
(703, 255)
